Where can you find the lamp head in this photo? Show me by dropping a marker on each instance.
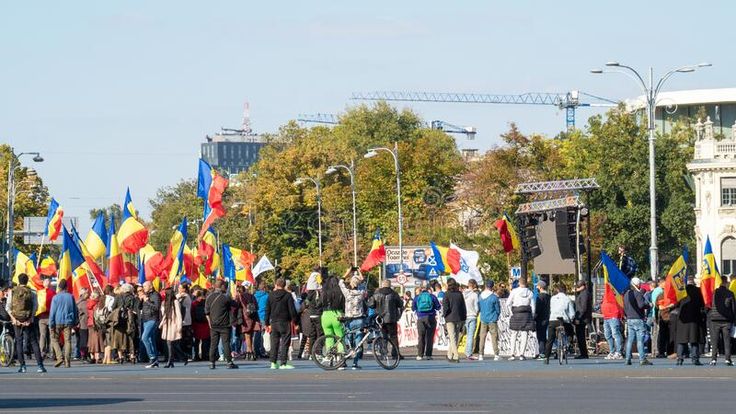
(686, 70)
(38, 158)
(370, 154)
(596, 71)
(613, 64)
(704, 65)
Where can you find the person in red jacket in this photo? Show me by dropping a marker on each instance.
(612, 315)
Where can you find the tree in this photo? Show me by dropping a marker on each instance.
(113, 210)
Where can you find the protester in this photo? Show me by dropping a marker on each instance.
(249, 308)
(280, 313)
(46, 294)
(635, 310)
(490, 311)
(354, 309)
(4, 292)
(660, 315)
(83, 328)
(612, 314)
(261, 296)
(561, 312)
(626, 263)
(583, 316)
(200, 327)
(721, 321)
(21, 307)
(389, 307)
(690, 331)
(333, 307)
(109, 301)
(184, 347)
(63, 316)
(521, 304)
(407, 300)
(122, 319)
(455, 314)
(96, 340)
(170, 325)
(436, 289)
(541, 316)
(426, 305)
(311, 314)
(217, 308)
(149, 318)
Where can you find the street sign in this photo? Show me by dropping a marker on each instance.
(35, 227)
(401, 278)
(515, 273)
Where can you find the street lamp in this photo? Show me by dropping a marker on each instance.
(651, 91)
(351, 170)
(11, 202)
(299, 181)
(372, 152)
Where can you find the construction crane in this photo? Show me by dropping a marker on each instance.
(447, 127)
(568, 101)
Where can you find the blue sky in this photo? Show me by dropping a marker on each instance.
(118, 93)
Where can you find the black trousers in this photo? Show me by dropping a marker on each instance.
(186, 341)
(26, 335)
(390, 331)
(580, 337)
(723, 328)
(425, 328)
(542, 335)
(217, 333)
(280, 338)
(663, 337)
(552, 335)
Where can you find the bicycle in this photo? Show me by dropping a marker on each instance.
(7, 345)
(561, 338)
(330, 352)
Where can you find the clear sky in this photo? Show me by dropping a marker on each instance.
(121, 93)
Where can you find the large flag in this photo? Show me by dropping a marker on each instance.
(710, 278)
(70, 265)
(674, 284)
(238, 263)
(207, 254)
(132, 236)
(27, 265)
(377, 255)
(94, 272)
(151, 264)
(97, 239)
(115, 265)
(468, 266)
(509, 239)
(210, 187)
(263, 265)
(453, 259)
(615, 280)
(53, 220)
(435, 262)
(176, 251)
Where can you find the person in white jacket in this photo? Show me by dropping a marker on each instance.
(521, 304)
(561, 311)
(471, 319)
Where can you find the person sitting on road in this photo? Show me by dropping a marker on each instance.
(561, 312)
(354, 309)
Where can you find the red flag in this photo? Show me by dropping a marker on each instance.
(377, 255)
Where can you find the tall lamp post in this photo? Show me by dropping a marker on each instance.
(651, 91)
(12, 166)
(351, 170)
(372, 152)
(300, 181)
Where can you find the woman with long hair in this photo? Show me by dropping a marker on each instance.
(249, 309)
(170, 325)
(96, 339)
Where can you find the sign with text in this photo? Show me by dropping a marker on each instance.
(417, 263)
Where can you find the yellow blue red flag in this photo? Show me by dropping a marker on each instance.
(676, 280)
(132, 236)
(614, 277)
(710, 278)
(53, 220)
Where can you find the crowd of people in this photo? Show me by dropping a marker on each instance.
(137, 324)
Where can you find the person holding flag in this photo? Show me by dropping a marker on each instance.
(635, 309)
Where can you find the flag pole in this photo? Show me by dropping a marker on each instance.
(40, 249)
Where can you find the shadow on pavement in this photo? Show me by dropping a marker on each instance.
(6, 403)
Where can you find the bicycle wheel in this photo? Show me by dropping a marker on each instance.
(329, 352)
(386, 353)
(6, 351)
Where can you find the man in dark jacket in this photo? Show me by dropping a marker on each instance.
(388, 306)
(690, 325)
(541, 314)
(63, 316)
(455, 313)
(583, 315)
(217, 307)
(280, 313)
(635, 309)
(150, 309)
(426, 321)
(721, 318)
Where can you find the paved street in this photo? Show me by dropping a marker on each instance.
(415, 387)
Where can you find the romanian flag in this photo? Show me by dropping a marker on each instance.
(710, 278)
(176, 253)
(132, 235)
(238, 264)
(191, 266)
(93, 268)
(435, 262)
(615, 280)
(509, 239)
(151, 264)
(97, 240)
(115, 266)
(130, 267)
(53, 220)
(377, 255)
(25, 264)
(70, 265)
(674, 284)
(210, 187)
(454, 259)
(207, 252)
(47, 267)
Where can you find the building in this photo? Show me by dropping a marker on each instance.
(232, 151)
(713, 168)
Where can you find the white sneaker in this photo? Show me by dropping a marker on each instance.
(618, 356)
(496, 358)
(521, 358)
(511, 358)
(419, 358)
(609, 356)
(480, 357)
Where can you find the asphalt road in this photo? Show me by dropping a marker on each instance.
(414, 387)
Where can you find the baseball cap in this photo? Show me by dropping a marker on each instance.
(635, 281)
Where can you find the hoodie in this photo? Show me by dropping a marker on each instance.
(280, 307)
(521, 296)
(261, 298)
(490, 307)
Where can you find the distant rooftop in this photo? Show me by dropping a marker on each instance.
(689, 97)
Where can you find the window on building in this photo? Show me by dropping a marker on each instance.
(728, 256)
(728, 191)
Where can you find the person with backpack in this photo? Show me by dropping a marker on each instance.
(389, 307)
(22, 307)
(123, 324)
(63, 316)
(425, 305)
(249, 309)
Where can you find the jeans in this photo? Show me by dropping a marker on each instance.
(235, 340)
(149, 338)
(470, 325)
(27, 335)
(280, 339)
(356, 325)
(453, 332)
(66, 330)
(635, 331)
(426, 327)
(485, 329)
(612, 332)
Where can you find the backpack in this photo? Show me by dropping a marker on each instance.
(121, 321)
(198, 314)
(100, 317)
(424, 302)
(21, 305)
